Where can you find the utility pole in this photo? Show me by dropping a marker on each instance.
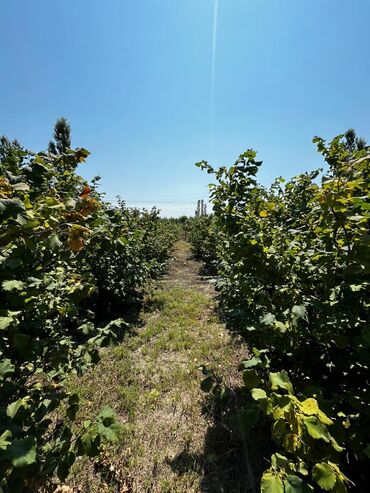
(197, 210)
(201, 209)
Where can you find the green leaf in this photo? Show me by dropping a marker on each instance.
(14, 407)
(122, 240)
(339, 487)
(268, 319)
(279, 461)
(281, 380)
(299, 311)
(251, 378)
(22, 452)
(5, 439)
(10, 208)
(54, 241)
(271, 483)
(107, 415)
(110, 433)
(294, 484)
(5, 322)
(258, 394)
(316, 429)
(250, 363)
(6, 368)
(324, 476)
(11, 285)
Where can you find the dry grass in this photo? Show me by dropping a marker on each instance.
(170, 441)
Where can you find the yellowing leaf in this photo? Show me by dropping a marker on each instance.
(264, 213)
(271, 483)
(310, 406)
(291, 442)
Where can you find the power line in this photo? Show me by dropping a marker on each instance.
(158, 202)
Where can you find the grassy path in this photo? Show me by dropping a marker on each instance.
(171, 441)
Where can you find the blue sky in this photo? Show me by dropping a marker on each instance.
(134, 78)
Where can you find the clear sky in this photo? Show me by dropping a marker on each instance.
(150, 87)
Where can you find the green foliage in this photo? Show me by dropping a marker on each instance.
(294, 264)
(62, 137)
(134, 249)
(56, 238)
(204, 238)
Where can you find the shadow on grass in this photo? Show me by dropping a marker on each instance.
(231, 461)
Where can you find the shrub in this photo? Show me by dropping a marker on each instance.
(295, 267)
(62, 252)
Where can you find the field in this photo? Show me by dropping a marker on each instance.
(222, 353)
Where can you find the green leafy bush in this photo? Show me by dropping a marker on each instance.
(204, 238)
(126, 256)
(56, 238)
(294, 266)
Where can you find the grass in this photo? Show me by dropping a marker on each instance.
(152, 381)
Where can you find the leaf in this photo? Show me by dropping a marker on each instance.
(107, 415)
(279, 461)
(339, 487)
(12, 285)
(251, 378)
(54, 241)
(316, 429)
(271, 483)
(258, 394)
(281, 380)
(310, 406)
(264, 213)
(123, 241)
(294, 484)
(10, 208)
(86, 190)
(299, 311)
(268, 319)
(324, 476)
(22, 452)
(110, 433)
(6, 368)
(14, 407)
(5, 439)
(5, 322)
(250, 363)
(21, 187)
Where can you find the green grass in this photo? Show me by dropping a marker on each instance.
(152, 382)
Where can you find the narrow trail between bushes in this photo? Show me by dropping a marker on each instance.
(174, 438)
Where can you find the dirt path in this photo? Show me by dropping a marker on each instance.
(174, 439)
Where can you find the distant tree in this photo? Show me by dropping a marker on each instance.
(353, 142)
(7, 147)
(52, 147)
(62, 137)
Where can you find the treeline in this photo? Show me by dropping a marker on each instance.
(294, 266)
(72, 269)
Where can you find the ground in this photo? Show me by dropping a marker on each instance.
(174, 439)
